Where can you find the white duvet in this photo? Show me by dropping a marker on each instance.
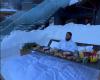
(36, 66)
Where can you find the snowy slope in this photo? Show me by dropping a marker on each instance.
(12, 44)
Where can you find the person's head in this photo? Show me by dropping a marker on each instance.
(68, 36)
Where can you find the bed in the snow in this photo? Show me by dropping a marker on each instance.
(36, 66)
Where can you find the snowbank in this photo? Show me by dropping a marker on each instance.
(81, 33)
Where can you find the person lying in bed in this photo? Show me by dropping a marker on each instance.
(68, 45)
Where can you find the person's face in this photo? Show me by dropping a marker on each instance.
(68, 37)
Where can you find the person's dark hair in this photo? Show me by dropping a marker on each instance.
(69, 33)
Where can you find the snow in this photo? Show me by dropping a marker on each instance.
(73, 2)
(41, 12)
(8, 10)
(28, 67)
(11, 45)
(37, 15)
(81, 33)
(35, 66)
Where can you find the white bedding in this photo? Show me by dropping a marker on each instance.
(41, 67)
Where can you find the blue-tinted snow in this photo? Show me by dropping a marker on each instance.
(41, 67)
(36, 15)
(11, 44)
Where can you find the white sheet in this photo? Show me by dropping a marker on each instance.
(42, 67)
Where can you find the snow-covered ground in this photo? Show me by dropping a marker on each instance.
(11, 45)
(35, 66)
